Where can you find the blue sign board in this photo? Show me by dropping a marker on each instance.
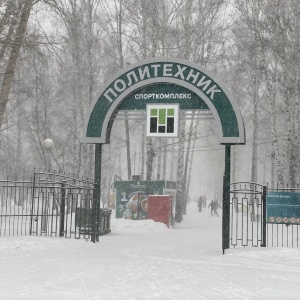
(283, 207)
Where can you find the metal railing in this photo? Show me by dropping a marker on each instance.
(249, 221)
(49, 204)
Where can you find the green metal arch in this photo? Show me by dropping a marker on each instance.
(223, 106)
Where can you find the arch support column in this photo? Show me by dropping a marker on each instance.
(96, 195)
(226, 199)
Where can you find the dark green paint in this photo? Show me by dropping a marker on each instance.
(221, 102)
(283, 207)
(96, 197)
(226, 200)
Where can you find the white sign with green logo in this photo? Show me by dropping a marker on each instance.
(162, 120)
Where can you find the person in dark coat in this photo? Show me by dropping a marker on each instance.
(204, 201)
(213, 208)
(200, 204)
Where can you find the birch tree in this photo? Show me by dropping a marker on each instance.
(14, 54)
(276, 28)
(116, 28)
(180, 173)
(199, 30)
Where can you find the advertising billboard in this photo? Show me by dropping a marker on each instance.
(283, 207)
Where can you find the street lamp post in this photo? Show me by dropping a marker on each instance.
(48, 144)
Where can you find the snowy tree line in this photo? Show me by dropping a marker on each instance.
(56, 54)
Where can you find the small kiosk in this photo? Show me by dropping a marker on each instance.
(132, 197)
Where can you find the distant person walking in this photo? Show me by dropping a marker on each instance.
(204, 201)
(200, 204)
(213, 208)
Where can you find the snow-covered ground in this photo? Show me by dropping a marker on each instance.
(146, 260)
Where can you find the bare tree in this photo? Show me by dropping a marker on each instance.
(14, 54)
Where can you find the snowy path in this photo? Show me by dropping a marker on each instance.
(145, 260)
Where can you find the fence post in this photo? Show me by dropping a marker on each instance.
(62, 210)
(32, 204)
(264, 217)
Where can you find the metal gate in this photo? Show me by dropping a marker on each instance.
(47, 205)
(247, 214)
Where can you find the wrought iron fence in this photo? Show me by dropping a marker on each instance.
(49, 204)
(250, 220)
